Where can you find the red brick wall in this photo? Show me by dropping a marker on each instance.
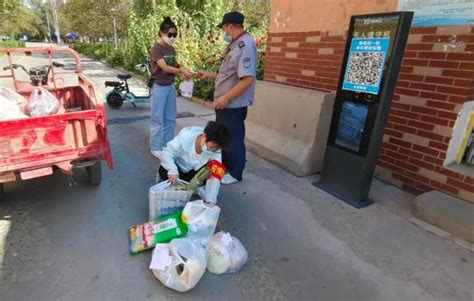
(305, 59)
(436, 77)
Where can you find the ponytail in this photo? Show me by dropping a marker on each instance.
(167, 24)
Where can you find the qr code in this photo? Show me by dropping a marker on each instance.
(365, 67)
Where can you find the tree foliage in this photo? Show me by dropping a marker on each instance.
(15, 17)
(24, 17)
(143, 8)
(94, 18)
(200, 44)
(256, 12)
(38, 26)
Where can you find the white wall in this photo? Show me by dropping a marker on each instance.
(460, 133)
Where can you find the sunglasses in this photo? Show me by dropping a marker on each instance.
(172, 35)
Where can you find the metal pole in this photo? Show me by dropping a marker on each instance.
(115, 32)
(49, 26)
(56, 23)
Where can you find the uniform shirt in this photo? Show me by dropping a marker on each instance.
(181, 151)
(239, 61)
(168, 54)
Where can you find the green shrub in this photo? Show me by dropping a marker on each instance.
(12, 44)
(199, 46)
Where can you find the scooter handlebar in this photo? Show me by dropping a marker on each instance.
(14, 66)
(58, 65)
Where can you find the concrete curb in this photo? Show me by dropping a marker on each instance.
(446, 212)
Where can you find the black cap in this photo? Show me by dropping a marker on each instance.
(233, 17)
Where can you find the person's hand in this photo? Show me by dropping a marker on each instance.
(210, 105)
(187, 74)
(221, 103)
(173, 178)
(204, 74)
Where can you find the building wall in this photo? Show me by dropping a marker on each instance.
(436, 78)
(321, 15)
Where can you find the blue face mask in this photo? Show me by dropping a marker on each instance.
(206, 150)
(227, 38)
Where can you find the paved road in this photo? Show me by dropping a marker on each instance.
(61, 239)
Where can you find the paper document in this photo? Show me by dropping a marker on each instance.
(161, 257)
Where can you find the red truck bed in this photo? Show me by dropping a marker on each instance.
(77, 137)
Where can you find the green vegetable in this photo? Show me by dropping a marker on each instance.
(198, 179)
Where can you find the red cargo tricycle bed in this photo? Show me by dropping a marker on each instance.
(68, 135)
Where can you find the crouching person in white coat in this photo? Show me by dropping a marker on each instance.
(190, 151)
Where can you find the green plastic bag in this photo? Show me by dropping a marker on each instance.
(162, 230)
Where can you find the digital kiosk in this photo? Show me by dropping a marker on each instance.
(374, 52)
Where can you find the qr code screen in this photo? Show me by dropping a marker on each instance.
(365, 67)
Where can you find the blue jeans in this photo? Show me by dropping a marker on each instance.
(163, 116)
(234, 157)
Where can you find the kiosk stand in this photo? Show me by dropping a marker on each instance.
(374, 52)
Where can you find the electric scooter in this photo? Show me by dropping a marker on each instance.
(121, 91)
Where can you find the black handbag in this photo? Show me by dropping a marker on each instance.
(150, 82)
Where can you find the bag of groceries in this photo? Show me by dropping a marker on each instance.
(186, 88)
(225, 254)
(42, 103)
(9, 110)
(14, 97)
(167, 198)
(180, 264)
(201, 219)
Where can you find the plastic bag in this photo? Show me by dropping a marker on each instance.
(9, 110)
(211, 191)
(181, 266)
(14, 97)
(186, 88)
(226, 254)
(165, 198)
(42, 103)
(201, 219)
(146, 236)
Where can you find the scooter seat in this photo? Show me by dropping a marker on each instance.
(124, 76)
(112, 84)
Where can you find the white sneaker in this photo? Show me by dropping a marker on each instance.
(155, 153)
(228, 179)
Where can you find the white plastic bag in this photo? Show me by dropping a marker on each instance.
(14, 97)
(164, 200)
(42, 103)
(9, 110)
(225, 254)
(212, 189)
(181, 266)
(209, 192)
(201, 219)
(186, 88)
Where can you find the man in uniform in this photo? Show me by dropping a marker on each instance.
(234, 90)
